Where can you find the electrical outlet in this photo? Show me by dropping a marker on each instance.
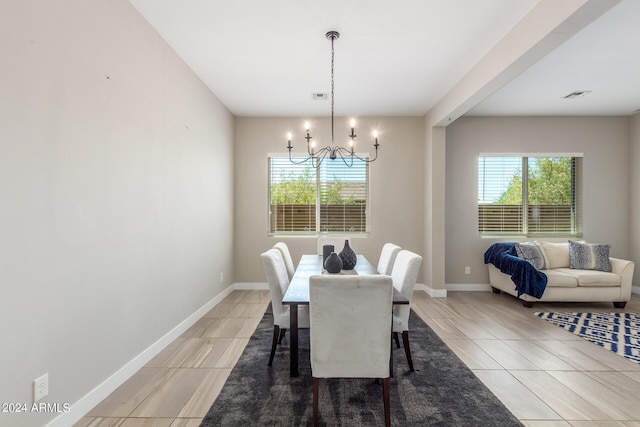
(40, 387)
(222, 277)
(467, 270)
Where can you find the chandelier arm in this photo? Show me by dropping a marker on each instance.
(349, 153)
(368, 160)
(343, 151)
(324, 151)
(301, 161)
(319, 159)
(343, 157)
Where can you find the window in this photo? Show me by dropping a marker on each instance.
(534, 195)
(305, 200)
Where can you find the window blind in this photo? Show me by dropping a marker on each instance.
(343, 196)
(498, 212)
(529, 195)
(292, 196)
(552, 195)
(308, 200)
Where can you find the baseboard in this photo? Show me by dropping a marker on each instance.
(82, 407)
(486, 287)
(433, 293)
(451, 287)
(251, 286)
(474, 287)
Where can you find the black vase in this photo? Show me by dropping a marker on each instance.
(326, 251)
(348, 257)
(333, 264)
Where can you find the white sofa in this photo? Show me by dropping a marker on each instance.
(570, 284)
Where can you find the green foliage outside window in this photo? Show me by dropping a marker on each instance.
(550, 183)
(294, 189)
(300, 189)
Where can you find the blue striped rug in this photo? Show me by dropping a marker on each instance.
(617, 332)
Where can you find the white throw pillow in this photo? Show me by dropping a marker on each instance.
(531, 252)
(556, 255)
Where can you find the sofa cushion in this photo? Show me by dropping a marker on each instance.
(530, 251)
(559, 279)
(589, 256)
(592, 278)
(556, 254)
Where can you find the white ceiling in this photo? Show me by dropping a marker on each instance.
(266, 58)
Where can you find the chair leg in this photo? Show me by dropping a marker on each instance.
(395, 337)
(282, 332)
(316, 389)
(274, 342)
(391, 359)
(407, 350)
(387, 402)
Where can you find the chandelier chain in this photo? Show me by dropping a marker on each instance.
(332, 84)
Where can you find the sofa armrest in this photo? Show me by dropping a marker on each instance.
(624, 268)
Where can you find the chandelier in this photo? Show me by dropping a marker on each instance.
(316, 156)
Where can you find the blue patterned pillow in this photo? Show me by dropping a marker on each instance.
(531, 252)
(589, 256)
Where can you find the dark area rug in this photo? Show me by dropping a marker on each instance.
(441, 392)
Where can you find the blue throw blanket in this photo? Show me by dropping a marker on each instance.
(527, 278)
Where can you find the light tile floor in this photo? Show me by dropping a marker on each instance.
(546, 376)
(177, 387)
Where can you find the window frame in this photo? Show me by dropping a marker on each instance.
(526, 228)
(318, 206)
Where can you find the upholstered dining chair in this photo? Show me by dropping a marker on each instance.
(286, 257)
(278, 280)
(387, 258)
(337, 242)
(404, 275)
(350, 320)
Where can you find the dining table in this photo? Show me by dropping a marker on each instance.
(297, 294)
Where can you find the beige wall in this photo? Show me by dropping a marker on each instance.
(605, 144)
(115, 195)
(635, 191)
(434, 209)
(397, 185)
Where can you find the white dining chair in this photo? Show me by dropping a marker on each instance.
(278, 280)
(350, 320)
(404, 275)
(337, 242)
(286, 257)
(387, 258)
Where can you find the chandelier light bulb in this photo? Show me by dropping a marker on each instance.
(289, 136)
(306, 125)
